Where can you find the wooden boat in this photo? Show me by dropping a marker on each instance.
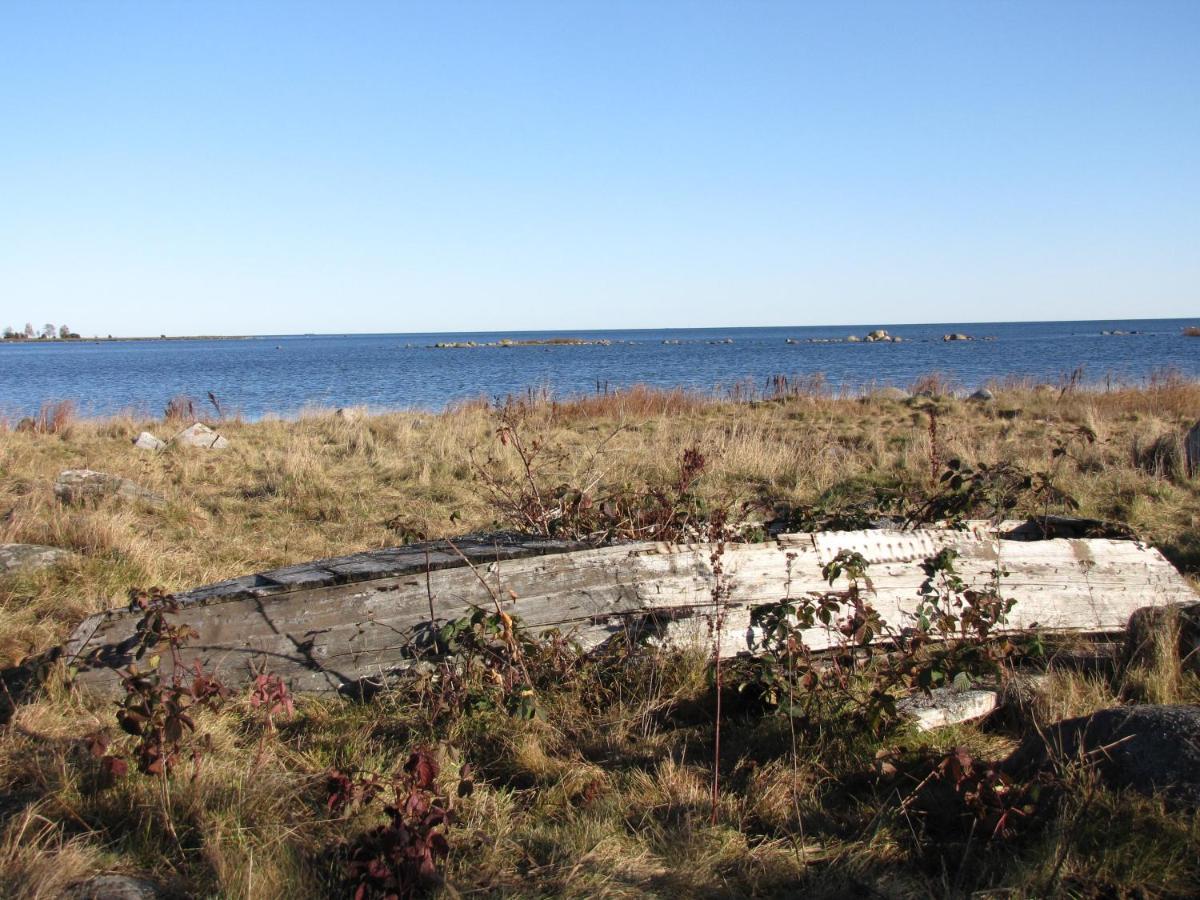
(342, 625)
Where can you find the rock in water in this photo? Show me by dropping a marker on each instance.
(1152, 749)
(30, 557)
(113, 887)
(147, 441)
(200, 435)
(82, 485)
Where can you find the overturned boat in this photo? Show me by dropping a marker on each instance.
(342, 625)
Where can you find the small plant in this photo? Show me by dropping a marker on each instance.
(965, 797)
(156, 712)
(401, 856)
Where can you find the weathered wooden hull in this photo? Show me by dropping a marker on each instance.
(333, 625)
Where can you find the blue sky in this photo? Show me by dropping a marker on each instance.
(258, 167)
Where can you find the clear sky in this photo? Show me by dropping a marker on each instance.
(250, 167)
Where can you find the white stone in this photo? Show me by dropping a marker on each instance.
(147, 441)
(947, 706)
(30, 557)
(200, 435)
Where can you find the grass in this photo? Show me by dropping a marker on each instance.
(607, 792)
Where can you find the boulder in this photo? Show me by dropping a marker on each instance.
(83, 485)
(983, 395)
(114, 887)
(30, 557)
(890, 393)
(1150, 625)
(1151, 749)
(200, 435)
(853, 339)
(147, 441)
(956, 337)
(879, 335)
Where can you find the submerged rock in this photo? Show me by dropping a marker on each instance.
(200, 435)
(1151, 749)
(956, 337)
(83, 485)
(30, 557)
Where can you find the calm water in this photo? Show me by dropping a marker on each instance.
(286, 374)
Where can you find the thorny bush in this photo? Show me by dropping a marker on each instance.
(948, 640)
(487, 660)
(539, 502)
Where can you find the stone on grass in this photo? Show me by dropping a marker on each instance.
(1151, 749)
(983, 395)
(147, 441)
(946, 706)
(30, 557)
(200, 435)
(890, 393)
(83, 485)
(114, 887)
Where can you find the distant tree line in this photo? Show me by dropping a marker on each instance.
(48, 333)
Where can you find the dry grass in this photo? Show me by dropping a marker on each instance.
(600, 797)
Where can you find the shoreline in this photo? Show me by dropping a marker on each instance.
(932, 388)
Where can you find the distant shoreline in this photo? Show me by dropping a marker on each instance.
(30, 342)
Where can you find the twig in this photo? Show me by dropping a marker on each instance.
(505, 618)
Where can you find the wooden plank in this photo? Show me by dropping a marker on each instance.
(329, 625)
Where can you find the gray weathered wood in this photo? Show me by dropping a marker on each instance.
(334, 625)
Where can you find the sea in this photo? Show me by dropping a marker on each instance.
(286, 375)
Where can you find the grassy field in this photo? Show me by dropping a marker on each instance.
(606, 791)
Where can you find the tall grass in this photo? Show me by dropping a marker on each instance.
(607, 791)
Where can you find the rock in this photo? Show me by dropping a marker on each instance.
(1148, 627)
(30, 557)
(200, 435)
(956, 337)
(114, 887)
(1152, 749)
(983, 395)
(853, 339)
(147, 441)
(890, 393)
(351, 413)
(879, 335)
(946, 706)
(82, 485)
